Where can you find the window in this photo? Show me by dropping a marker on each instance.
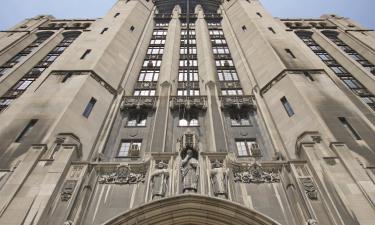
(224, 63)
(239, 118)
(324, 56)
(183, 75)
(260, 15)
(127, 145)
(290, 53)
(152, 63)
(216, 32)
(104, 30)
(157, 41)
(287, 106)
(192, 62)
(132, 28)
(144, 92)
(85, 54)
(155, 50)
(192, 92)
(220, 50)
(272, 30)
(188, 119)
(137, 119)
(3, 71)
(308, 76)
(23, 84)
(247, 147)
(227, 75)
(26, 131)
(231, 92)
(66, 77)
(159, 32)
(338, 70)
(351, 130)
(148, 75)
(244, 28)
(219, 41)
(89, 108)
(116, 15)
(192, 50)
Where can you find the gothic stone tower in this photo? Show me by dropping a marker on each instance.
(187, 112)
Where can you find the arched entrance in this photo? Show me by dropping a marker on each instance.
(191, 209)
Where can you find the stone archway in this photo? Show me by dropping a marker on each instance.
(191, 209)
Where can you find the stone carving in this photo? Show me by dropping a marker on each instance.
(254, 173)
(68, 190)
(311, 222)
(68, 222)
(159, 180)
(189, 172)
(122, 175)
(310, 190)
(219, 179)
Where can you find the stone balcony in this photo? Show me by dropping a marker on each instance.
(237, 101)
(199, 102)
(139, 102)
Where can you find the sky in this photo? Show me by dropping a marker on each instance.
(14, 11)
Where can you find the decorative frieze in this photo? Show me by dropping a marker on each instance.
(255, 173)
(309, 187)
(123, 174)
(138, 102)
(237, 101)
(199, 102)
(229, 85)
(145, 85)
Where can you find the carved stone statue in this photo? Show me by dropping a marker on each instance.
(159, 180)
(68, 222)
(189, 172)
(311, 222)
(219, 178)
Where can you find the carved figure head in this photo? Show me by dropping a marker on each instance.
(161, 165)
(217, 164)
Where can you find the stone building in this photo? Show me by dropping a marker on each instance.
(187, 112)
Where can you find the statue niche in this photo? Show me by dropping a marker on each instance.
(189, 164)
(219, 179)
(159, 180)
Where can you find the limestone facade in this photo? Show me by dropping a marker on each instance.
(187, 112)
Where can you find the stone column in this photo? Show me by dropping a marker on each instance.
(207, 76)
(168, 72)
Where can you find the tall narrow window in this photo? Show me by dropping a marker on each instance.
(116, 15)
(260, 15)
(104, 30)
(86, 53)
(272, 30)
(287, 106)
(26, 130)
(308, 76)
(290, 53)
(351, 130)
(89, 108)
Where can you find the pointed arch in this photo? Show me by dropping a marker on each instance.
(191, 209)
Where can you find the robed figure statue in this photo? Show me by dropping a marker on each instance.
(189, 172)
(159, 180)
(219, 178)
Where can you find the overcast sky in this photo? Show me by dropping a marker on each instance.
(14, 11)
